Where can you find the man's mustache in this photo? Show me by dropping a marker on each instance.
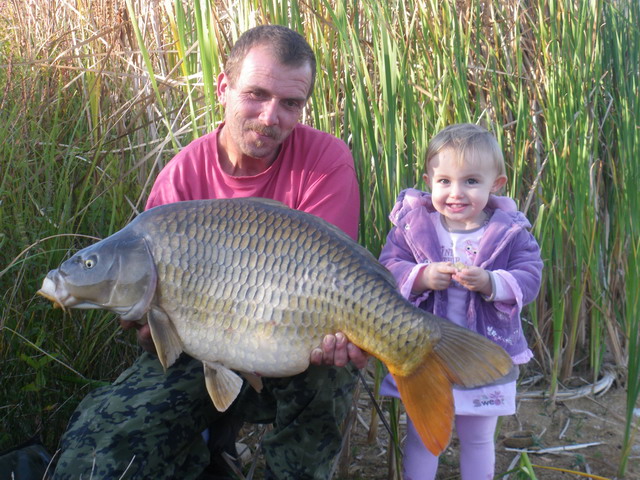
(271, 132)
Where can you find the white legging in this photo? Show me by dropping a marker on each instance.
(477, 450)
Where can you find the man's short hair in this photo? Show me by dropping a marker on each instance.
(469, 142)
(288, 47)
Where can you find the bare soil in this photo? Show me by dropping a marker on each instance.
(586, 433)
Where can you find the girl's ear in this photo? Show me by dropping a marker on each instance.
(498, 183)
(426, 180)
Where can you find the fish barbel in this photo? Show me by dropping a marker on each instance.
(250, 285)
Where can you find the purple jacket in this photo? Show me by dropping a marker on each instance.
(507, 246)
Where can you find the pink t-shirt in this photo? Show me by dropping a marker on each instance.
(313, 172)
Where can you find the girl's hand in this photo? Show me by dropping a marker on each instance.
(435, 276)
(475, 279)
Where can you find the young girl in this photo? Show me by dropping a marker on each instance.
(464, 254)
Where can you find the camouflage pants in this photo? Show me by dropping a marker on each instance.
(148, 424)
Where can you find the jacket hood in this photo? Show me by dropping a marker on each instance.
(411, 199)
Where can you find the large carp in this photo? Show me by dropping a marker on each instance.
(253, 286)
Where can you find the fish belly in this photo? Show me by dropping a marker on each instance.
(259, 348)
(271, 337)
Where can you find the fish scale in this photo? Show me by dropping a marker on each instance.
(252, 286)
(234, 253)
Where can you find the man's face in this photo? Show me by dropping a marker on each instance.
(263, 106)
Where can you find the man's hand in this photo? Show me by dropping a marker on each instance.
(337, 350)
(143, 334)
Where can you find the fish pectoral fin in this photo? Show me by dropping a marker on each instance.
(164, 335)
(254, 380)
(428, 398)
(223, 385)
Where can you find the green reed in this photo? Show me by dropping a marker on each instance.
(93, 105)
(621, 44)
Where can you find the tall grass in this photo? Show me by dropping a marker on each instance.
(68, 167)
(622, 139)
(97, 96)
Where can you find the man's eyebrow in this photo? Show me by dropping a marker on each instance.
(296, 99)
(261, 90)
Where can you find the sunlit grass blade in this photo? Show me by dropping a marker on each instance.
(149, 65)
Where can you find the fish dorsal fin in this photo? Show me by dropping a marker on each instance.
(164, 335)
(223, 385)
(264, 201)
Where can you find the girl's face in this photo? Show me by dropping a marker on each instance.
(460, 192)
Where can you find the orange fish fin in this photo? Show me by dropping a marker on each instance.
(427, 396)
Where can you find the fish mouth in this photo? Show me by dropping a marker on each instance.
(57, 293)
(51, 298)
(48, 291)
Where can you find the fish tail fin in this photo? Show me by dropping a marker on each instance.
(470, 359)
(428, 399)
(460, 357)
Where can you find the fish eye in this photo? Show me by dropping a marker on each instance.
(90, 262)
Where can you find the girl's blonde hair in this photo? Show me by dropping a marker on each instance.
(470, 142)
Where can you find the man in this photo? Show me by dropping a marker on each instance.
(149, 424)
